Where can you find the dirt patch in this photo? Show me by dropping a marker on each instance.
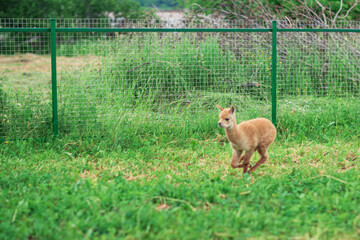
(137, 177)
(42, 63)
(353, 156)
(162, 207)
(86, 174)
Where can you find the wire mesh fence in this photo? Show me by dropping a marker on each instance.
(319, 63)
(319, 72)
(326, 63)
(109, 79)
(164, 76)
(25, 81)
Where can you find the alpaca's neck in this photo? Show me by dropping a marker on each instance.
(232, 133)
(233, 129)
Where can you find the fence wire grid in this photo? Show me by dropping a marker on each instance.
(107, 80)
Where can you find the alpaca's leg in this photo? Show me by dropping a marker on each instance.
(246, 159)
(235, 161)
(264, 157)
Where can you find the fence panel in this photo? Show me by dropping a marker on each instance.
(127, 79)
(25, 85)
(112, 80)
(318, 75)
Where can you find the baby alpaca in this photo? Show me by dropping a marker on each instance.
(249, 136)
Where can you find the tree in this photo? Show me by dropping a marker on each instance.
(69, 8)
(26, 8)
(295, 9)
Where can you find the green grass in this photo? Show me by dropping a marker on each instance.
(139, 154)
(178, 190)
(322, 67)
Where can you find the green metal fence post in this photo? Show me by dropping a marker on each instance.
(273, 72)
(53, 77)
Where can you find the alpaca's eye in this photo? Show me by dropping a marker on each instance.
(227, 119)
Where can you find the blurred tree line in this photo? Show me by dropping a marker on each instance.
(232, 9)
(130, 9)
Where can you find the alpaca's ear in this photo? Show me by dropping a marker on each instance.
(232, 109)
(219, 107)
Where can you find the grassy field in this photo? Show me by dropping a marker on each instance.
(139, 154)
(93, 189)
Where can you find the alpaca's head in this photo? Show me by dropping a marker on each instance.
(227, 117)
